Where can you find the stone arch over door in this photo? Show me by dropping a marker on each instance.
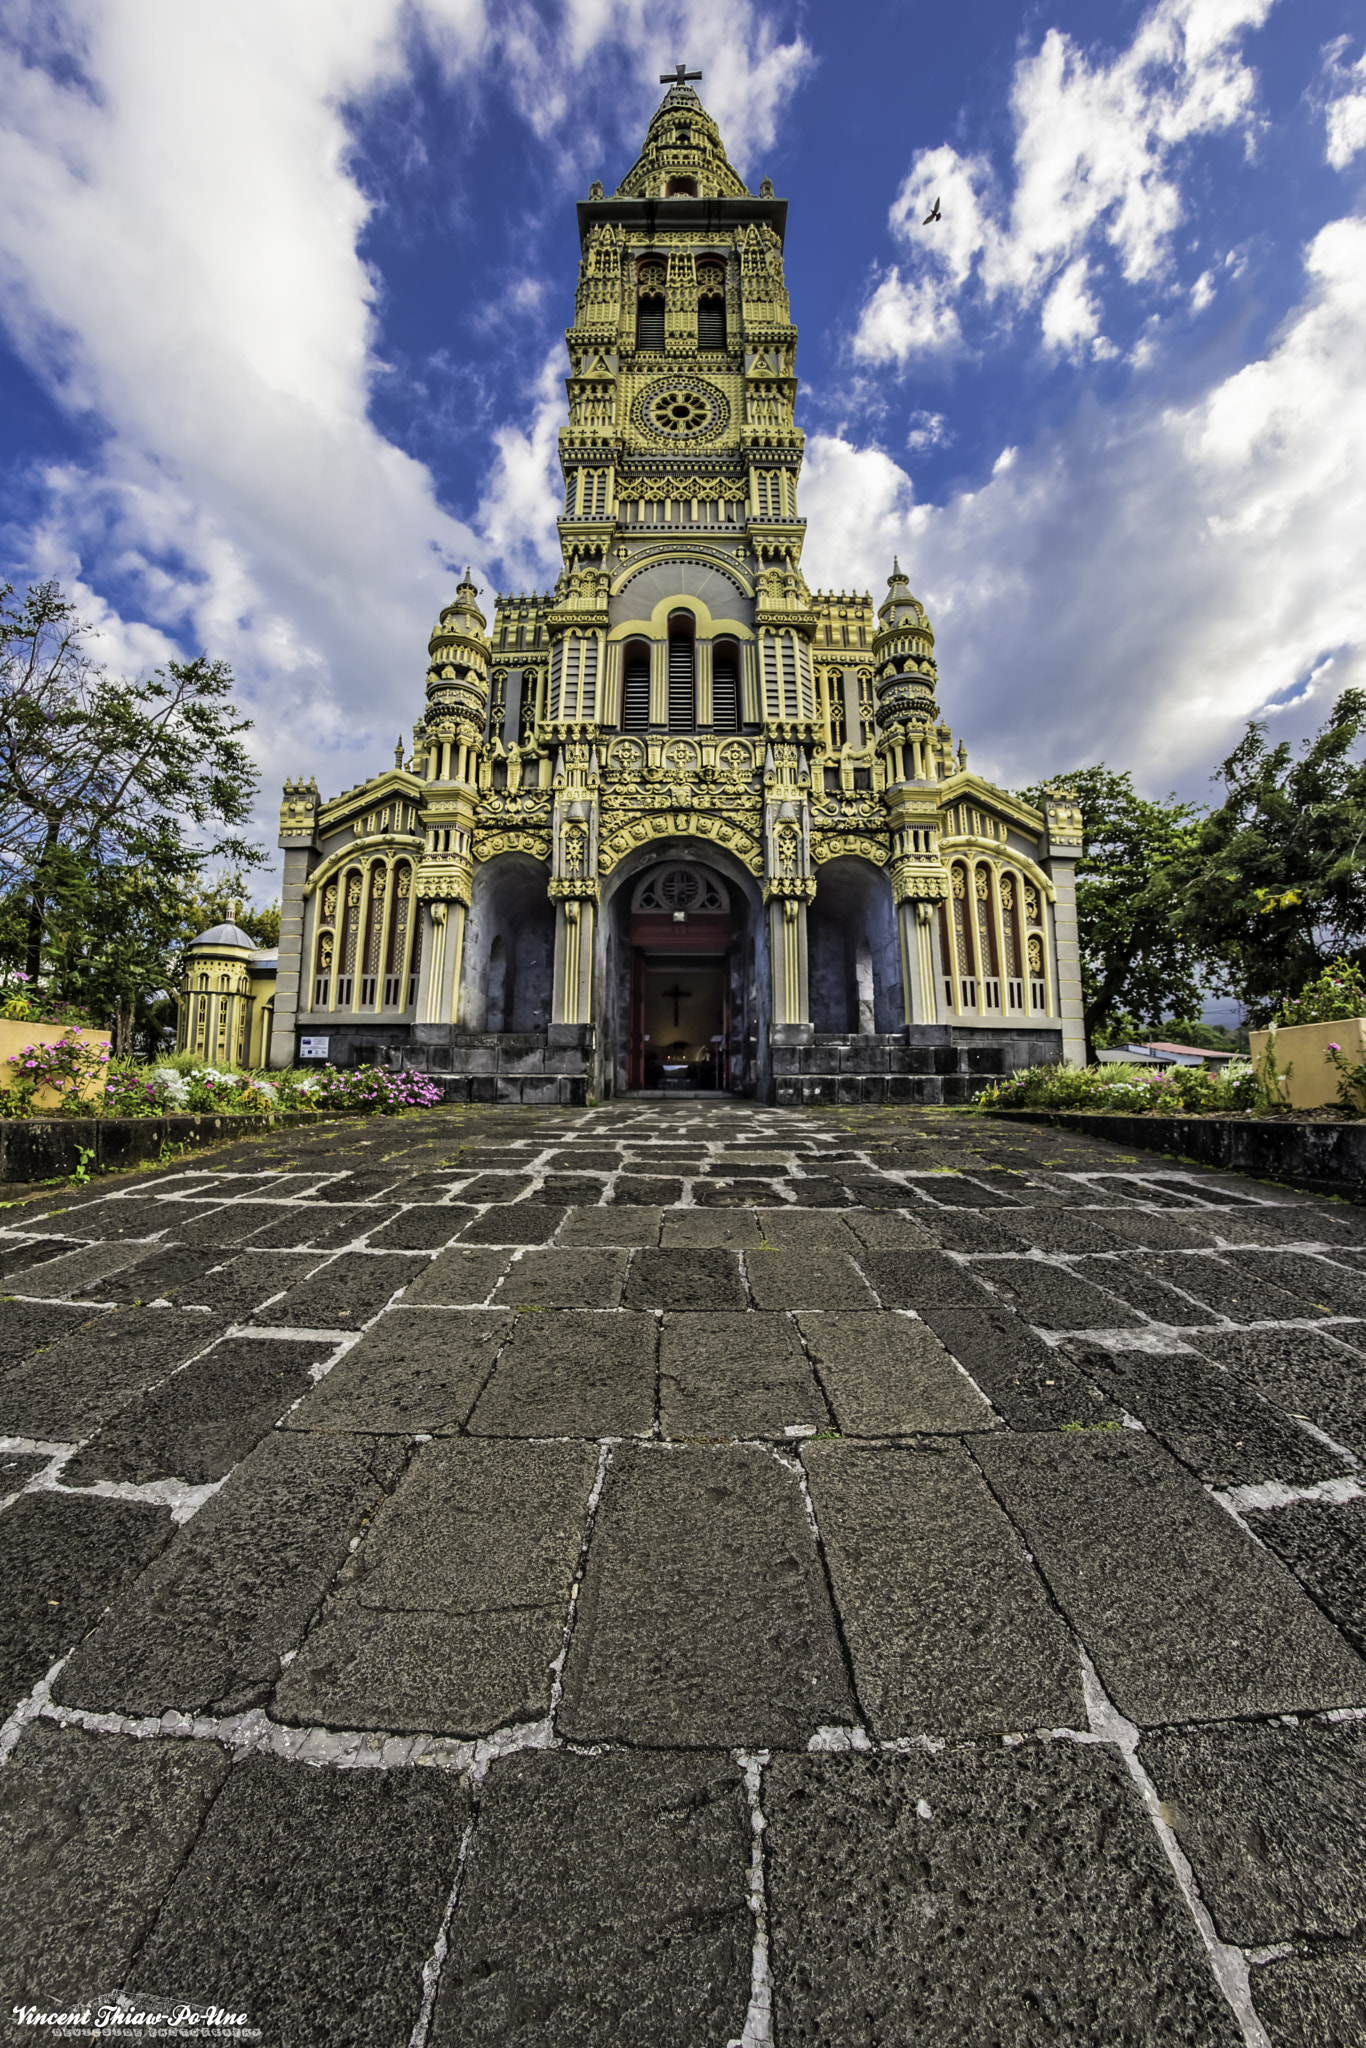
(855, 961)
(507, 980)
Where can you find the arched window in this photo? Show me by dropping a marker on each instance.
(350, 934)
(650, 322)
(1010, 940)
(725, 685)
(711, 322)
(681, 188)
(682, 672)
(635, 686)
(398, 935)
(374, 931)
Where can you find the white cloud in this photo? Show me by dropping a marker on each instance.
(1138, 585)
(1097, 155)
(179, 264)
(928, 430)
(1345, 113)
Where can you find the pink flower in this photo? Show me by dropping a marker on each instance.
(1335, 1048)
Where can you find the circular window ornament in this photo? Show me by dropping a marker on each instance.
(675, 888)
(681, 408)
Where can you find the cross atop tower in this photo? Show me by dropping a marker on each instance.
(678, 76)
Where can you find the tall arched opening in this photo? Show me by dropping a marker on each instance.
(855, 960)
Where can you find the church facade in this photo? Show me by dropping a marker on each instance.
(681, 822)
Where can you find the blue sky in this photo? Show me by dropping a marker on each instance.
(283, 289)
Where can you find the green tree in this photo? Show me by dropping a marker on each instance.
(1136, 967)
(114, 796)
(223, 900)
(1270, 885)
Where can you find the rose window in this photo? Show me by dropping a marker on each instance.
(680, 412)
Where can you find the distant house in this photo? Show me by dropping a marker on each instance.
(1164, 1052)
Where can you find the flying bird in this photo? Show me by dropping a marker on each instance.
(933, 214)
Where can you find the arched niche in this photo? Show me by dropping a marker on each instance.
(855, 960)
(508, 969)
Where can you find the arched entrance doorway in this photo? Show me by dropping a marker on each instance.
(685, 982)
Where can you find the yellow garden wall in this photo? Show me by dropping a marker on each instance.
(1308, 1078)
(14, 1036)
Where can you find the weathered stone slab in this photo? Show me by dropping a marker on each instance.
(312, 1900)
(1185, 1616)
(1052, 1298)
(93, 1829)
(515, 1223)
(1228, 1435)
(1238, 1292)
(719, 1229)
(1325, 1547)
(573, 1278)
(1034, 1385)
(572, 1375)
(316, 1226)
(62, 1560)
(1273, 1820)
(73, 1272)
(206, 1628)
(734, 1375)
(703, 1619)
(456, 1278)
(29, 1326)
(642, 1190)
(809, 1278)
(656, 1948)
(1129, 1278)
(949, 1627)
(78, 1382)
(923, 1280)
(1312, 2002)
(344, 1293)
(1309, 1373)
(454, 1607)
(423, 1228)
(697, 1279)
(1016, 1896)
(885, 1375)
(621, 1223)
(414, 1371)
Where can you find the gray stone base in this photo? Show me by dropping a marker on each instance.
(927, 1063)
(547, 1068)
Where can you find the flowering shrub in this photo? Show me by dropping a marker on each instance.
(1125, 1088)
(378, 1091)
(66, 1067)
(1340, 991)
(23, 1002)
(178, 1090)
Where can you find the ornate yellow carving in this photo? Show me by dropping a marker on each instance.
(615, 844)
(488, 846)
(844, 845)
(1035, 951)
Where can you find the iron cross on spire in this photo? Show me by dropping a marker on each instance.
(678, 76)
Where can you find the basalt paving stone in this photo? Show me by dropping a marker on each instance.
(957, 1191)
(233, 1288)
(363, 1187)
(572, 1278)
(18, 1467)
(814, 1230)
(731, 1195)
(1196, 1188)
(205, 1628)
(813, 1192)
(30, 1326)
(17, 1257)
(1071, 1232)
(1291, 1223)
(644, 1191)
(887, 1231)
(1324, 1544)
(1312, 2002)
(63, 1559)
(735, 1376)
(657, 1948)
(72, 1272)
(584, 1159)
(1055, 1299)
(948, 1625)
(198, 1423)
(93, 1829)
(1185, 1616)
(125, 1217)
(416, 1371)
(581, 1188)
(453, 1609)
(1140, 1230)
(885, 1375)
(1011, 1896)
(78, 1382)
(965, 1230)
(1110, 1187)
(572, 1375)
(695, 1278)
(229, 1224)
(456, 1278)
(496, 1187)
(923, 1280)
(421, 1229)
(312, 1900)
(315, 1226)
(703, 1620)
(1128, 1277)
(718, 1229)
(1224, 1432)
(1033, 1385)
(1237, 1291)
(1273, 1820)
(344, 1293)
(1336, 1289)
(806, 1278)
(620, 1223)
(515, 1223)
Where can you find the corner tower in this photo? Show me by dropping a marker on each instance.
(680, 765)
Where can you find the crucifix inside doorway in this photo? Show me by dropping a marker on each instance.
(676, 995)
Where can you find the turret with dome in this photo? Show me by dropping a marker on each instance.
(681, 821)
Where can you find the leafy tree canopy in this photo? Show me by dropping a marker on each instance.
(1136, 966)
(1270, 885)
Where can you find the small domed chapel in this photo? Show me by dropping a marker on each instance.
(681, 823)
